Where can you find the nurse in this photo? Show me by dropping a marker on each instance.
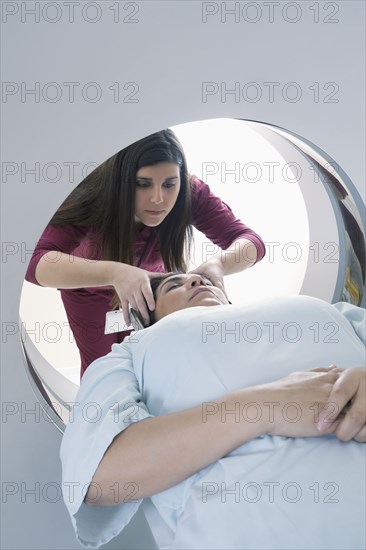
(127, 220)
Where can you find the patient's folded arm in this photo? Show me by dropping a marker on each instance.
(157, 453)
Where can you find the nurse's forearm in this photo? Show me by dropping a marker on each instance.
(157, 453)
(58, 270)
(240, 255)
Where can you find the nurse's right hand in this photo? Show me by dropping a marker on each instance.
(133, 287)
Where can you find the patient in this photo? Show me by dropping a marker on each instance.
(201, 409)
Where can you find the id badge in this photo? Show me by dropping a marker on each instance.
(114, 322)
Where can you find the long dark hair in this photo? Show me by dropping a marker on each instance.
(105, 201)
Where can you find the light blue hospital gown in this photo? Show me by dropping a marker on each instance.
(271, 493)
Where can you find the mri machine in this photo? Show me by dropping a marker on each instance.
(36, 395)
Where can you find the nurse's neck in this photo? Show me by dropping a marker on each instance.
(139, 225)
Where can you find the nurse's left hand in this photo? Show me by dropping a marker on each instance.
(348, 396)
(214, 270)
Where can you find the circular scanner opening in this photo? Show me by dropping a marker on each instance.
(290, 192)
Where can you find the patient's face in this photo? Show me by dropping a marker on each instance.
(186, 290)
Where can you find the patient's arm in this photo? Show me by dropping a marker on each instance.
(157, 453)
(348, 391)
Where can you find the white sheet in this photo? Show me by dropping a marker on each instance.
(286, 493)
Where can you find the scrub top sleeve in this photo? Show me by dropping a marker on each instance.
(108, 401)
(217, 221)
(62, 238)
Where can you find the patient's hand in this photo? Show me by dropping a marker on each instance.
(349, 397)
(299, 398)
